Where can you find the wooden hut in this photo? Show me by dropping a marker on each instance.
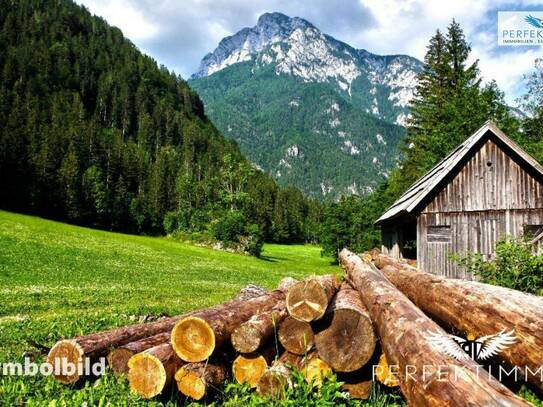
(484, 190)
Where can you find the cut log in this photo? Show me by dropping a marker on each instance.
(195, 338)
(296, 336)
(118, 358)
(346, 340)
(315, 370)
(358, 390)
(358, 384)
(386, 375)
(195, 380)
(478, 310)
(406, 333)
(99, 344)
(151, 371)
(307, 300)
(251, 335)
(278, 378)
(249, 368)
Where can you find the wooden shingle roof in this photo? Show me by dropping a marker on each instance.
(429, 184)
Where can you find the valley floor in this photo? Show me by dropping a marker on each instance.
(59, 281)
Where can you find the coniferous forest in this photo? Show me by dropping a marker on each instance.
(96, 133)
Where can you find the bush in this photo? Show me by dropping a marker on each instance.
(230, 227)
(254, 240)
(515, 266)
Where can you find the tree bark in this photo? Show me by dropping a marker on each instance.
(296, 336)
(278, 378)
(99, 344)
(195, 338)
(346, 340)
(478, 310)
(249, 368)
(152, 370)
(307, 300)
(195, 380)
(251, 335)
(428, 376)
(118, 358)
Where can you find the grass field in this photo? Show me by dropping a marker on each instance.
(58, 281)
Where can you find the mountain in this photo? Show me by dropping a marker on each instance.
(308, 109)
(94, 132)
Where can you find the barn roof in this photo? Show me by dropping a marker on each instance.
(429, 183)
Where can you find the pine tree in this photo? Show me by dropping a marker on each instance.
(449, 105)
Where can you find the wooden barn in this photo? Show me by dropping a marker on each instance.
(484, 190)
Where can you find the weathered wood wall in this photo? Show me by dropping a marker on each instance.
(491, 197)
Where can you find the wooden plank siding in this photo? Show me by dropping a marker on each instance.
(503, 184)
(490, 197)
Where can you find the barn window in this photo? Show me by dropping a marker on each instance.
(441, 233)
(532, 231)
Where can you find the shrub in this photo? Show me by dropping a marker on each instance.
(230, 227)
(515, 266)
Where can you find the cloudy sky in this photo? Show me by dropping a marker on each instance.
(178, 33)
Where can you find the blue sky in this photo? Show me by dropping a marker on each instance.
(178, 33)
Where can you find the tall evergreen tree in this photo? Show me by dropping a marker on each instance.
(450, 104)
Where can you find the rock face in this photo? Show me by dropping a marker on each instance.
(286, 71)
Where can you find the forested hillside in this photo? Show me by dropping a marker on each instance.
(94, 132)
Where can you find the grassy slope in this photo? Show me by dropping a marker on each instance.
(58, 280)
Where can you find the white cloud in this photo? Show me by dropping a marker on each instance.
(125, 15)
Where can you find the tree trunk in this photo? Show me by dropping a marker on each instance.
(428, 376)
(249, 368)
(152, 370)
(346, 340)
(118, 357)
(296, 336)
(278, 378)
(251, 335)
(358, 384)
(99, 344)
(307, 300)
(195, 380)
(478, 310)
(195, 338)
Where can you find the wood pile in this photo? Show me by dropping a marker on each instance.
(360, 328)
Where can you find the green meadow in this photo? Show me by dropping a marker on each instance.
(59, 281)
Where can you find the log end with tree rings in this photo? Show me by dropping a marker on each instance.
(249, 368)
(307, 300)
(275, 381)
(190, 384)
(146, 375)
(246, 338)
(193, 339)
(118, 359)
(296, 336)
(62, 353)
(316, 370)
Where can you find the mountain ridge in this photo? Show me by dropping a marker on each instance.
(284, 64)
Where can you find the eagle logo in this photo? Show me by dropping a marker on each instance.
(482, 348)
(534, 21)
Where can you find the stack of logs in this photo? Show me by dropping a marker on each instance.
(378, 316)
